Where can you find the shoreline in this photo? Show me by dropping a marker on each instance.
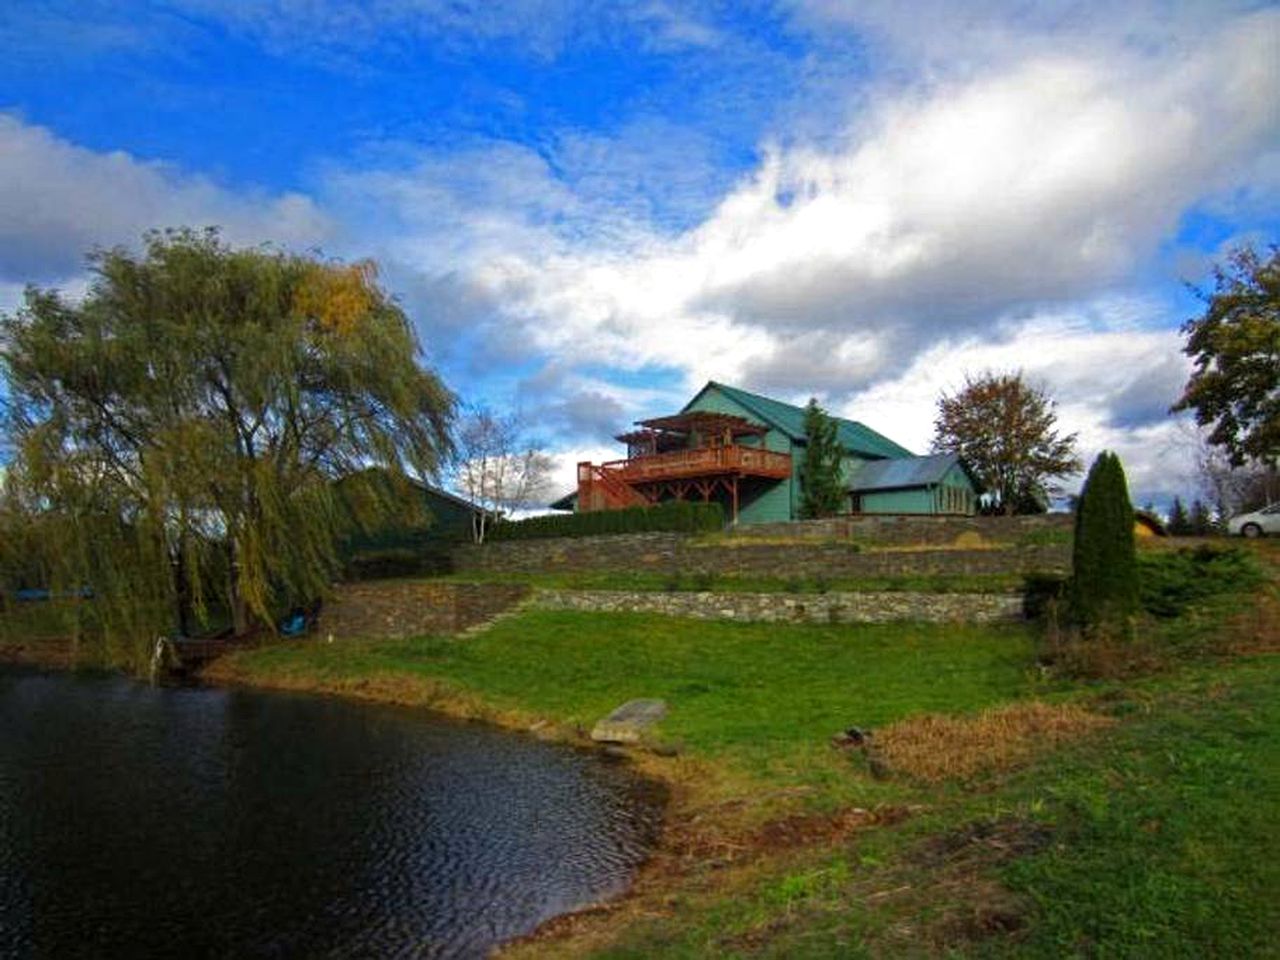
(48, 654)
(706, 813)
(678, 800)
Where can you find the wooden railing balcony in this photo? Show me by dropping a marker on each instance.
(731, 458)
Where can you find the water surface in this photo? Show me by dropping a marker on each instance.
(201, 822)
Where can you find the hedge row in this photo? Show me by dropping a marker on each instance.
(677, 515)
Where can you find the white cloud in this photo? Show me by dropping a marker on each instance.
(942, 38)
(1000, 206)
(1112, 388)
(956, 210)
(58, 200)
(987, 219)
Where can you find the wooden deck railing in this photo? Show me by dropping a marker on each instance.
(733, 458)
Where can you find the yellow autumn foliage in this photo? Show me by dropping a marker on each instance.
(337, 297)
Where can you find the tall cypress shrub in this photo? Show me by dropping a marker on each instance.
(1104, 585)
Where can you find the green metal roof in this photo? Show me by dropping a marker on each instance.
(903, 473)
(789, 419)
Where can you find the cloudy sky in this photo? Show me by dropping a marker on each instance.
(589, 209)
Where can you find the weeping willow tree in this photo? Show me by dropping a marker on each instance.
(178, 432)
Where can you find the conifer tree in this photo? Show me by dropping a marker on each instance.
(822, 487)
(1179, 521)
(1104, 587)
(1200, 524)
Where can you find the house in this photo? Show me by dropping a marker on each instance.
(747, 452)
(447, 517)
(1147, 524)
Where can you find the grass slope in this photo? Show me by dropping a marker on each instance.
(766, 695)
(1151, 833)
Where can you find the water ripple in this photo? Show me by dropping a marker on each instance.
(155, 823)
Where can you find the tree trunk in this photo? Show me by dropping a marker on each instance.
(236, 602)
(182, 596)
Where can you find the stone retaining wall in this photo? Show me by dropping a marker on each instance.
(902, 530)
(793, 608)
(407, 608)
(677, 553)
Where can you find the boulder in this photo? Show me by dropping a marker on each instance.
(628, 723)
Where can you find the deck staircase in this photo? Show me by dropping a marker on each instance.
(600, 488)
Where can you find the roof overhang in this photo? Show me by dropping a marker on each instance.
(703, 422)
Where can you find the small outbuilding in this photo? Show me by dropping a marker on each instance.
(939, 483)
(1147, 524)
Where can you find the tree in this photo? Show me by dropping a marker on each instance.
(1200, 523)
(1104, 583)
(1004, 430)
(1235, 345)
(1231, 488)
(1179, 521)
(179, 431)
(495, 470)
(822, 479)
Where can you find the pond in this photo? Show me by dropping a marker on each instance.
(195, 822)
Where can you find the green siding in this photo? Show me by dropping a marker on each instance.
(957, 479)
(450, 520)
(764, 501)
(915, 500)
(778, 501)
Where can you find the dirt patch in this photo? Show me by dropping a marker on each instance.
(695, 855)
(936, 747)
(691, 842)
(975, 905)
(984, 843)
(55, 654)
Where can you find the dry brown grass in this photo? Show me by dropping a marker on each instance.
(936, 747)
(1256, 628)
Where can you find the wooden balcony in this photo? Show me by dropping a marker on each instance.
(702, 462)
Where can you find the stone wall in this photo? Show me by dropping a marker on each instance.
(911, 530)
(794, 608)
(407, 608)
(802, 557)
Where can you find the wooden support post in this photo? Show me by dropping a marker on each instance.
(734, 484)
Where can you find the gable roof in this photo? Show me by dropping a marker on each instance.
(428, 490)
(568, 502)
(906, 472)
(789, 419)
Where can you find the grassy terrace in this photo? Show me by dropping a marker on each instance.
(653, 581)
(1004, 811)
(761, 700)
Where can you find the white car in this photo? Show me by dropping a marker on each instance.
(1264, 521)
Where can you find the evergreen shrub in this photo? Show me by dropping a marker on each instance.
(1104, 586)
(1175, 580)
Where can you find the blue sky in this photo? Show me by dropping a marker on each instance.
(589, 209)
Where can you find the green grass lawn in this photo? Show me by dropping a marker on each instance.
(765, 695)
(1158, 840)
(1166, 837)
(1155, 836)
